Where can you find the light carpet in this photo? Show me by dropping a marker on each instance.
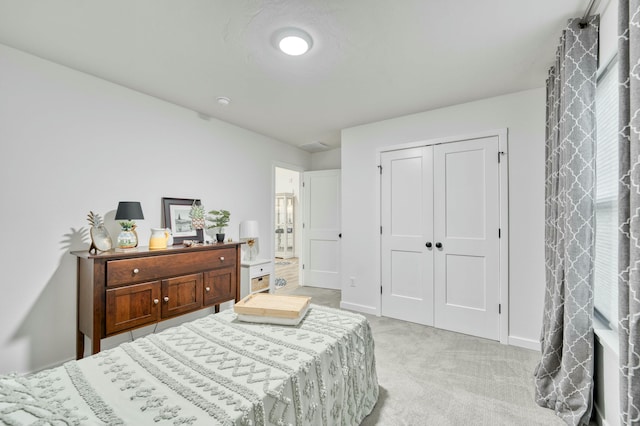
(429, 376)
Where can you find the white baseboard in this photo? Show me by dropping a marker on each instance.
(359, 308)
(524, 343)
(52, 365)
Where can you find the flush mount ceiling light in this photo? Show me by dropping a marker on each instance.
(293, 41)
(223, 100)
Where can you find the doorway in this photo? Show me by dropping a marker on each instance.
(286, 228)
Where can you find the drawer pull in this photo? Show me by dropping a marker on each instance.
(221, 258)
(156, 301)
(166, 298)
(208, 289)
(136, 270)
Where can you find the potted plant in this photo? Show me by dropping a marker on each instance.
(220, 219)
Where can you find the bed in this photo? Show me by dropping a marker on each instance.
(214, 370)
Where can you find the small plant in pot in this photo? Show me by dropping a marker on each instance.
(220, 219)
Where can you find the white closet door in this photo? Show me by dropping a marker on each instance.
(321, 229)
(407, 221)
(466, 222)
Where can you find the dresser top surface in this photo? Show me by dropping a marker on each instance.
(145, 251)
(255, 262)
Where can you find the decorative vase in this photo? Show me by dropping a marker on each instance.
(220, 238)
(197, 223)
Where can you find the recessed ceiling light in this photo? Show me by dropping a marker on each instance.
(223, 100)
(293, 41)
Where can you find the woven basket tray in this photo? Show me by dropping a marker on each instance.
(272, 305)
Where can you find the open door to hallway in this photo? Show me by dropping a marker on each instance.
(286, 228)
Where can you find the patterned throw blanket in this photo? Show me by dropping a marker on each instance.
(214, 370)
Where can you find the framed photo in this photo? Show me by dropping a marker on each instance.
(175, 216)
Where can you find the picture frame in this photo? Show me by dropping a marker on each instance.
(175, 216)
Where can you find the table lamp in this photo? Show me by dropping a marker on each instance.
(249, 234)
(127, 212)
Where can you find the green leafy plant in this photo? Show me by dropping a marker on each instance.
(220, 219)
(127, 225)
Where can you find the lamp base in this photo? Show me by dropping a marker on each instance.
(125, 250)
(127, 239)
(250, 249)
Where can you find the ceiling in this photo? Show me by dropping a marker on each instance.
(371, 59)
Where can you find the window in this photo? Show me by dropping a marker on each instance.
(606, 261)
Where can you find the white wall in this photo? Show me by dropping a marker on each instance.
(326, 160)
(523, 114)
(70, 143)
(288, 181)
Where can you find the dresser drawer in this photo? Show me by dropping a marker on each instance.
(126, 271)
(260, 270)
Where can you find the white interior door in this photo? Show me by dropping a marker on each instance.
(407, 223)
(466, 226)
(321, 229)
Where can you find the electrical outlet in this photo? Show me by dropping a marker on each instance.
(353, 281)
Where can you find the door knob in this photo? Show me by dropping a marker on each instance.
(166, 298)
(439, 245)
(428, 244)
(155, 301)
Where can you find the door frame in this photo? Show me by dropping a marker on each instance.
(503, 194)
(272, 215)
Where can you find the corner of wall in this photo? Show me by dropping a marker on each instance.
(326, 160)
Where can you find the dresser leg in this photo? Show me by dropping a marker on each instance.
(95, 345)
(216, 308)
(79, 345)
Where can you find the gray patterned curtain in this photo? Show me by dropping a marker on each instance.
(564, 376)
(629, 210)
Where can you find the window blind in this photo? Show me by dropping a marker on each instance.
(606, 260)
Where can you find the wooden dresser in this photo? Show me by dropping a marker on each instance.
(121, 291)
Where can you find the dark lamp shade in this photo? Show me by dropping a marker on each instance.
(129, 210)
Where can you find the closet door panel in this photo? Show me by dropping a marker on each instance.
(466, 222)
(407, 221)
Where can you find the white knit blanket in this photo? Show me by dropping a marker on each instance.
(214, 370)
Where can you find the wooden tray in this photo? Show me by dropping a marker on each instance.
(272, 305)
